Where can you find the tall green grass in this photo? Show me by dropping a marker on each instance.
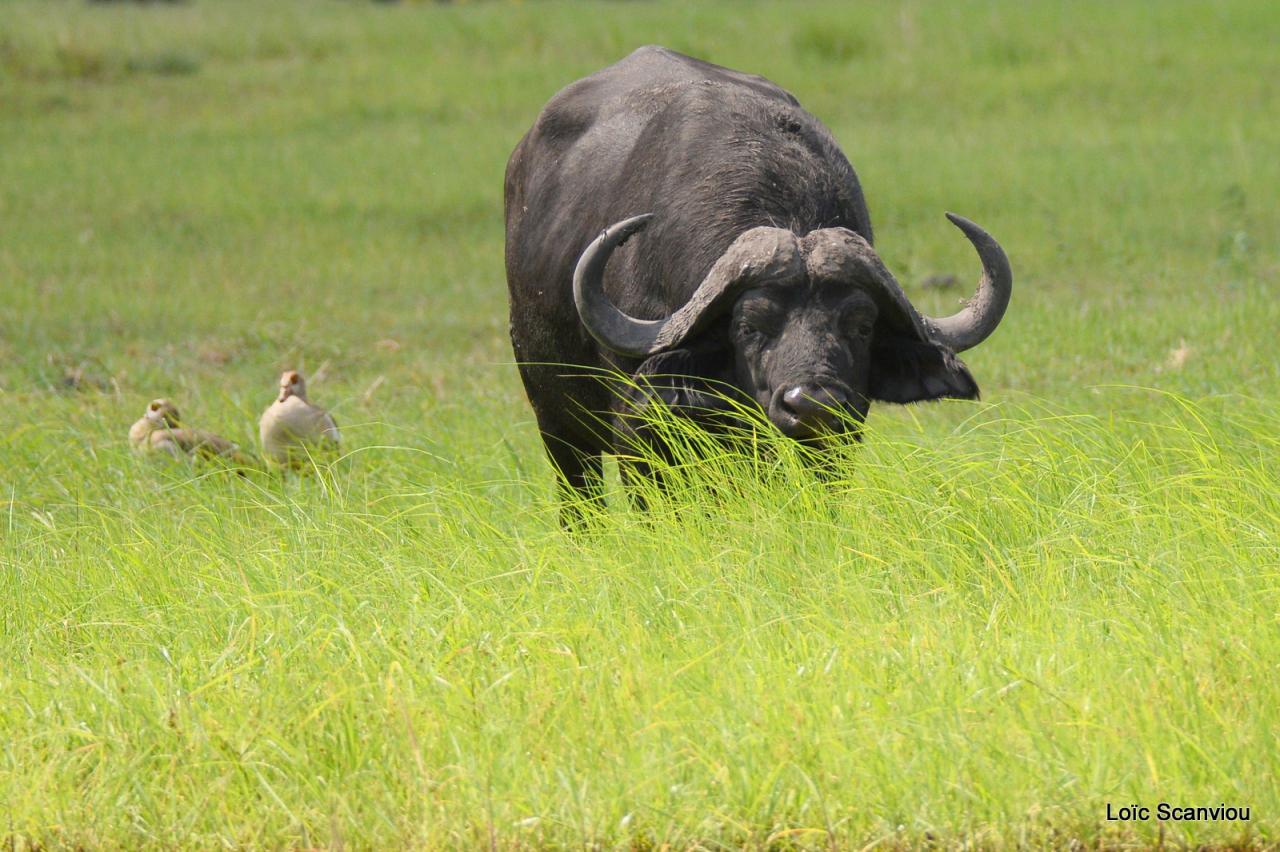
(979, 626)
(983, 640)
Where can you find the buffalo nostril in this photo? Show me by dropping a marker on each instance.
(808, 409)
(809, 402)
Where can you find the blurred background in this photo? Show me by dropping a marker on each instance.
(188, 189)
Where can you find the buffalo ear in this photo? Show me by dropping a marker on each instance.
(692, 382)
(689, 376)
(905, 370)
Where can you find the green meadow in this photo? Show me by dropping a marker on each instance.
(990, 623)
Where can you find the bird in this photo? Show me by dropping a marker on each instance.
(292, 428)
(160, 430)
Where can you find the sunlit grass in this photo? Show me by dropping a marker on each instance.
(988, 638)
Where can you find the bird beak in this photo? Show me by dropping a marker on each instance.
(285, 393)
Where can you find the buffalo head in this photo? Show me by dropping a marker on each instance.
(817, 325)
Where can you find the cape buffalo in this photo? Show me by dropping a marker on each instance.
(749, 264)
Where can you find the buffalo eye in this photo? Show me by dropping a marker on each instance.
(762, 318)
(859, 324)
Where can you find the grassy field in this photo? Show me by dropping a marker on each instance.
(999, 618)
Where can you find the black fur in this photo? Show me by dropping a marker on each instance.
(712, 153)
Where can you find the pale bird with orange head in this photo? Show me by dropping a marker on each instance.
(293, 429)
(160, 430)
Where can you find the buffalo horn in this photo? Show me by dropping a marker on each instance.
(981, 314)
(757, 256)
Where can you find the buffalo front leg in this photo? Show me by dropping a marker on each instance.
(641, 478)
(579, 483)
